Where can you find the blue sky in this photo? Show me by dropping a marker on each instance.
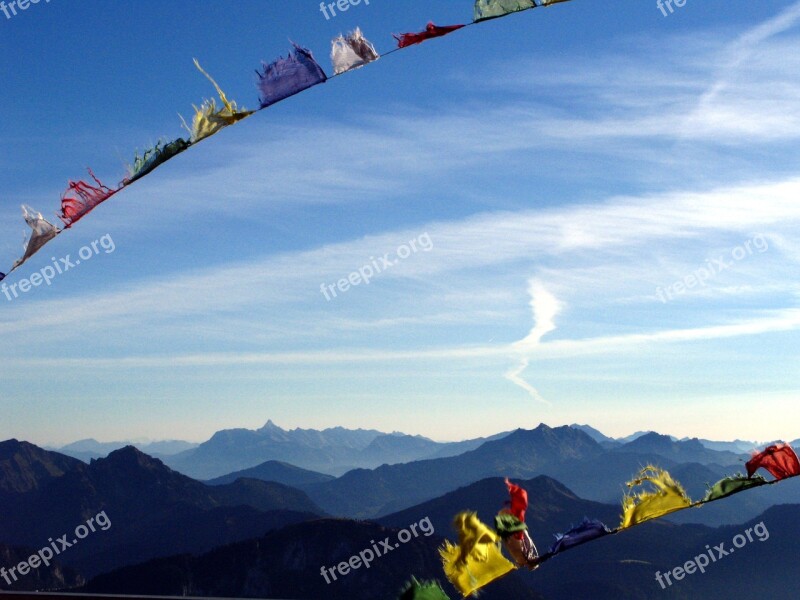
(565, 163)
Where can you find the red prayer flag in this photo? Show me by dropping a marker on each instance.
(81, 198)
(519, 500)
(431, 31)
(779, 460)
(518, 504)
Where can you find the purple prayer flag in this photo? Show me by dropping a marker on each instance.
(585, 532)
(289, 76)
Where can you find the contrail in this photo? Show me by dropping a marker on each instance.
(741, 49)
(544, 307)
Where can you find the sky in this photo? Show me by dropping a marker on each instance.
(590, 210)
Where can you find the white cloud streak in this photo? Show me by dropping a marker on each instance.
(592, 253)
(545, 307)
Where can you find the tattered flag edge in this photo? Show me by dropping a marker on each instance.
(82, 197)
(664, 478)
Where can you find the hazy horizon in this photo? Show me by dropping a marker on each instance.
(603, 203)
(146, 440)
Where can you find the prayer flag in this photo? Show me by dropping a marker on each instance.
(153, 158)
(208, 120)
(732, 485)
(477, 559)
(426, 590)
(42, 231)
(289, 76)
(352, 52)
(491, 9)
(643, 506)
(779, 460)
(81, 198)
(510, 525)
(431, 31)
(585, 532)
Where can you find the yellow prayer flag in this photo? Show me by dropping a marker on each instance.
(477, 559)
(642, 506)
(208, 120)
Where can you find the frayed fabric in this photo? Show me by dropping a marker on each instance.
(288, 76)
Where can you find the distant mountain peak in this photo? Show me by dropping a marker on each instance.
(25, 467)
(652, 435)
(129, 457)
(655, 440)
(693, 441)
(543, 431)
(8, 447)
(660, 439)
(635, 436)
(541, 483)
(544, 441)
(596, 435)
(643, 433)
(12, 447)
(271, 426)
(128, 450)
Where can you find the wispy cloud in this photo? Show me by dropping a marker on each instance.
(770, 322)
(545, 308)
(740, 50)
(633, 232)
(611, 179)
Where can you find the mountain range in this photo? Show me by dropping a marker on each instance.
(594, 470)
(331, 451)
(566, 454)
(88, 449)
(287, 563)
(274, 470)
(154, 511)
(363, 493)
(593, 465)
(265, 530)
(736, 446)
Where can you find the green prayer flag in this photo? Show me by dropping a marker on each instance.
(732, 485)
(427, 590)
(491, 9)
(506, 524)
